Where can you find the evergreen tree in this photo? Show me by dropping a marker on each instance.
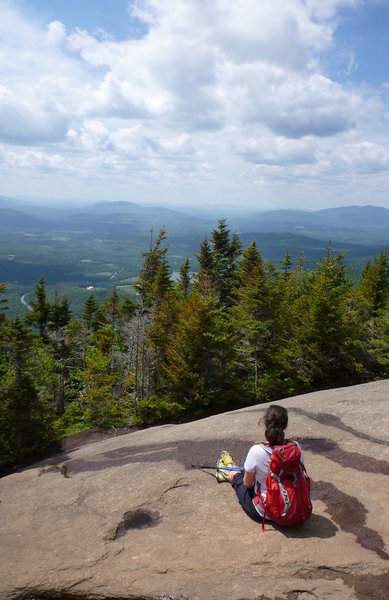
(199, 370)
(26, 413)
(40, 313)
(286, 264)
(184, 281)
(330, 333)
(60, 313)
(253, 317)
(60, 316)
(139, 363)
(3, 304)
(90, 310)
(162, 283)
(127, 307)
(373, 286)
(102, 405)
(372, 295)
(162, 324)
(206, 266)
(154, 264)
(112, 309)
(151, 317)
(218, 265)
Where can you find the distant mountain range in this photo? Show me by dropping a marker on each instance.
(100, 245)
(358, 224)
(118, 217)
(345, 227)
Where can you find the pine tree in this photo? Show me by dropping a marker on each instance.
(40, 313)
(154, 263)
(60, 313)
(330, 330)
(102, 405)
(199, 370)
(184, 281)
(26, 412)
(60, 316)
(151, 317)
(286, 264)
(372, 294)
(139, 363)
(218, 265)
(3, 304)
(162, 283)
(127, 307)
(252, 316)
(163, 321)
(373, 286)
(206, 266)
(111, 308)
(89, 313)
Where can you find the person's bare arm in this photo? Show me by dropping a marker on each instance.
(249, 479)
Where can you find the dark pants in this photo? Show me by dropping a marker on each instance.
(245, 497)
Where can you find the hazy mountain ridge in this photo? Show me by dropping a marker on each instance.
(16, 219)
(101, 244)
(360, 224)
(367, 224)
(96, 217)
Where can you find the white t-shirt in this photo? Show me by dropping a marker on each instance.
(258, 462)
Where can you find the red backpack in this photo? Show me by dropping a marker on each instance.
(287, 488)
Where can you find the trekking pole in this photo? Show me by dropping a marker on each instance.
(217, 468)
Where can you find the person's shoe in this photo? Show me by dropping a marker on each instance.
(227, 459)
(220, 474)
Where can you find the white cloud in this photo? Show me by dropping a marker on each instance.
(56, 32)
(362, 158)
(277, 151)
(232, 92)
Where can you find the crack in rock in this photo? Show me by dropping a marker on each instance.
(175, 486)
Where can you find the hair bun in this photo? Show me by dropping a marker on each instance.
(276, 421)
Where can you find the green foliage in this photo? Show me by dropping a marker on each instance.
(373, 286)
(153, 275)
(100, 398)
(159, 409)
(72, 421)
(184, 282)
(40, 313)
(26, 410)
(246, 331)
(90, 311)
(199, 366)
(60, 313)
(3, 303)
(218, 263)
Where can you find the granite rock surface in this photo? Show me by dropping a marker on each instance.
(129, 517)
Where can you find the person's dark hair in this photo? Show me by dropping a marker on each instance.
(276, 421)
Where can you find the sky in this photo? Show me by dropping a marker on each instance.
(249, 103)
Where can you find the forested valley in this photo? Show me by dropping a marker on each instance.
(242, 330)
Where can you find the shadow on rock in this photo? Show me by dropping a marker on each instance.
(350, 514)
(334, 421)
(186, 452)
(354, 460)
(57, 452)
(318, 526)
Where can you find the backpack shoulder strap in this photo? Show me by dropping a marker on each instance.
(267, 447)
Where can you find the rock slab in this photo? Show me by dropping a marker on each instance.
(130, 518)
